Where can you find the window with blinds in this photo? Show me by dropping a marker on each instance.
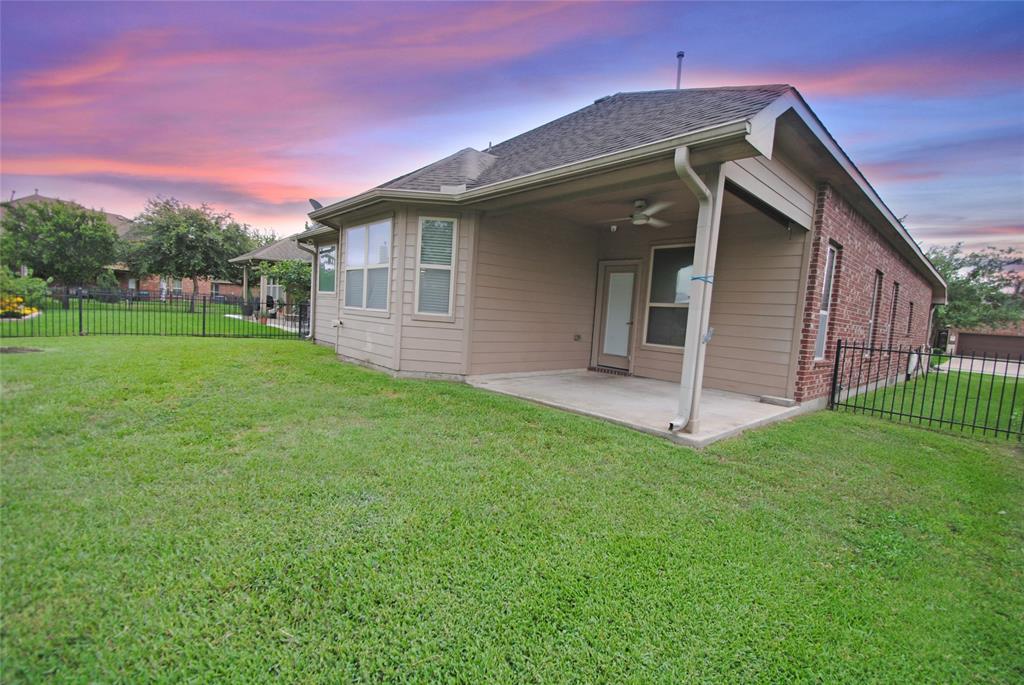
(825, 309)
(434, 269)
(368, 265)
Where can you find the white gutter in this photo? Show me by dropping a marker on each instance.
(737, 130)
(704, 252)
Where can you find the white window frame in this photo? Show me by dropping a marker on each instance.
(648, 304)
(365, 268)
(450, 315)
(326, 246)
(825, 306)
(876, 297)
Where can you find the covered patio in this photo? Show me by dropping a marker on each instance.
(643, 404)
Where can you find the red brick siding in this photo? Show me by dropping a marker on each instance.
(862, 252)
(152, 284)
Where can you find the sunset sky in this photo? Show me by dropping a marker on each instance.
(254, 107)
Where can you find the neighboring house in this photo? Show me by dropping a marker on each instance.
(283, 250)
(153, 284)
(716, 239)
(1006, 341)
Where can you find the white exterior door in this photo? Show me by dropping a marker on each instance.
(615, 333)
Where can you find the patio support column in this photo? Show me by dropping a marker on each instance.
(708, 187)
(263, 292)
(245, 283)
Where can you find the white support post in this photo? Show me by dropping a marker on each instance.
(708, 188)
(263, 294)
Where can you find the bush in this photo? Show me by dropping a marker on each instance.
(20, 295)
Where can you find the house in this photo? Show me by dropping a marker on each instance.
(680, 261)
(283, 250)
(1002, 342)
(126, 280)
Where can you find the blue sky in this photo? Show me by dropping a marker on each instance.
(253, 107)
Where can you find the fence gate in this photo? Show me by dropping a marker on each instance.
(980, 394)
(90, 311)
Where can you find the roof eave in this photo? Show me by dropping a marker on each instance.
(699, 139)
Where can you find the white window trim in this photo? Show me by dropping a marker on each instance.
(367, 266)
(648, 304)
(337, 252)
(825, 306)
(878, 282)
(450, 315)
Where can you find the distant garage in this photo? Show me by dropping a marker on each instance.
(990, 344)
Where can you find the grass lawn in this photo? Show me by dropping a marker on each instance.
(953, 400)
(253, 510)
(141, 317)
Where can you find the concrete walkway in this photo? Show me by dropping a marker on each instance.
(643, 404)
(1011, 369)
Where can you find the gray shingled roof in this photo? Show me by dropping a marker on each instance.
(612, 124)
(122, 224)
(281, 250)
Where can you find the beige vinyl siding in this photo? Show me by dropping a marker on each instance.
(435, 345)
(533, 294)
(326, 311)
(754, 305)
(774, 181)
(368, 336)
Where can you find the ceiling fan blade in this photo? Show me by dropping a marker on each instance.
(615, 221)
(657, 207)
(657, 223)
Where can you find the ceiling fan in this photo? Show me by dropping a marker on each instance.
(643, 215)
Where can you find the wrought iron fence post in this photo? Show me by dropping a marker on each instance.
(204, 316)
(835, 376)
(81, 323)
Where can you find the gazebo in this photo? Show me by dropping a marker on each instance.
(283, 250)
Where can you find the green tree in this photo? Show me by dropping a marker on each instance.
(182, 241)
(59, 240)
(294, 276)
(981, 287)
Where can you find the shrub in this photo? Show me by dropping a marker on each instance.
(19, 294)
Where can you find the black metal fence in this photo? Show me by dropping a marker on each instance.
(90, 311)
(980, 394)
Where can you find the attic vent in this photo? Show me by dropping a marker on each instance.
(600, 100)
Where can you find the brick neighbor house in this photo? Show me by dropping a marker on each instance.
(680, 261)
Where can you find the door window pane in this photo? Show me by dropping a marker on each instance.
(618, 312)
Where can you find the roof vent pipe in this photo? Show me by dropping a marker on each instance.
(679, 69)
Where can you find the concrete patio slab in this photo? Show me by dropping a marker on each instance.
(642, 404)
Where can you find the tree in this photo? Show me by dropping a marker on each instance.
(182, 241)
(293, 275)
(981, 287)
(59, 240)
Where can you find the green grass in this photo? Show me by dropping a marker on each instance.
(140, 318)
(953, 401)
(250, 510)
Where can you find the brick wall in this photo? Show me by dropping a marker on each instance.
(861, 252)
(152, 284)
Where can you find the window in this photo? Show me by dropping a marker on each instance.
(132, 284)
(825, 306)
(176, 287)
(368, 265)
(326, 267)
(910, 319)
(434, 266)
(892, 312)
(215, 289)
(873, 312)
(668, 295)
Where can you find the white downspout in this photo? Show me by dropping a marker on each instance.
(705, 249)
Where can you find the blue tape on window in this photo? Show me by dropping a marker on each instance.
(707, 278)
